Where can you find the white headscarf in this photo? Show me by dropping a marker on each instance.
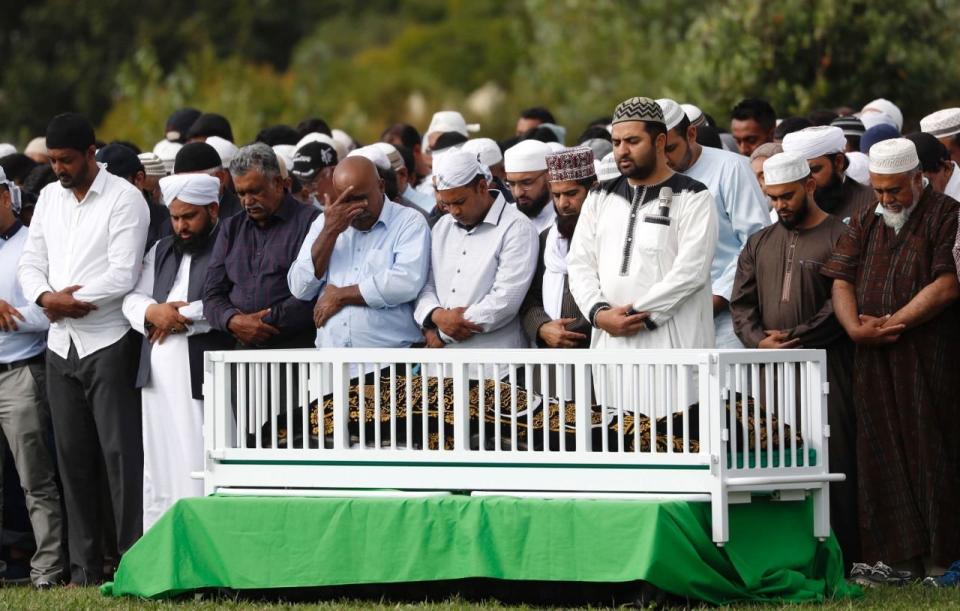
(196, 189)
(455, 168)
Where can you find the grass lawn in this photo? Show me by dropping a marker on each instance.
(24, 597)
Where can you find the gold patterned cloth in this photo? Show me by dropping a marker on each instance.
(497, 420)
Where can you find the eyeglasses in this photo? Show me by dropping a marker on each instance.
(527, 183)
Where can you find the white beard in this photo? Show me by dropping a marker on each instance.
(896, 220)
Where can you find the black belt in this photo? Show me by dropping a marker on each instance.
(5, 367)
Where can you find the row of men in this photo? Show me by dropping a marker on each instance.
(618, 264)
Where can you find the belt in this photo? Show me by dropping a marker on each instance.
(5, 367)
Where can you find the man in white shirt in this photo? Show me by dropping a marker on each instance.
(166, 308)
(639, 262)
(24, 415)
(82, 256)
(483, 256)
(525, 164)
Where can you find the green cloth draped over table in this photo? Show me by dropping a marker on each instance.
(289, 542)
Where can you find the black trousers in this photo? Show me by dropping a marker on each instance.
(95, 408)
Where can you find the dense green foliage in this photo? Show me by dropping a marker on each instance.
(363, 65)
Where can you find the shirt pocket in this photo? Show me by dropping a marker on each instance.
(652, 236)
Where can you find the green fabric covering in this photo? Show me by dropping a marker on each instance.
(283, 542)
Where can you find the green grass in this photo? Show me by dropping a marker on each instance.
(24, 598)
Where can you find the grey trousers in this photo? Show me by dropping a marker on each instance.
(96, 423)
(24, 419)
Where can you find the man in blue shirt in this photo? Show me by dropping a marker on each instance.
(24, 415)
(364, 260)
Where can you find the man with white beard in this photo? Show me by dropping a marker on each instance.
(895, 292)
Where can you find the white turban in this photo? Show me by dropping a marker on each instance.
(456, 168)
(7, 149)
(526, 156)
(485, 149)
(813, 142)
(226, 149)
(196, 189)
(374, 154)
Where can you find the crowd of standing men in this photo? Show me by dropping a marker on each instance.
(657, 230)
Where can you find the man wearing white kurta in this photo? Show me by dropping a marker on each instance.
(639, 267)
(166, 308)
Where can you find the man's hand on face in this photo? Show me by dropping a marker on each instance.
(338, 215)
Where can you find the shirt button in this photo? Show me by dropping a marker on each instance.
(453, 290)
(464, 252)
(458, 271)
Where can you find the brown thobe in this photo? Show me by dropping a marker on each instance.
(906, 394)
(779, 286)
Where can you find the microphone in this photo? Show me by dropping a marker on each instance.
(663, 218)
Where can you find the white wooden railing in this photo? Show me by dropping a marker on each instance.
(710, 453)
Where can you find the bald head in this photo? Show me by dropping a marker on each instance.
(357, 171)
(361, 176)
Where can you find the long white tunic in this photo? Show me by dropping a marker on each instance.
(172, 418)
(617, 258)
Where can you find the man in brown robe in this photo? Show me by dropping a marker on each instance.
(780, 300)
(895, 292)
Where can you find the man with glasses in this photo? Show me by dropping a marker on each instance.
(526, 167)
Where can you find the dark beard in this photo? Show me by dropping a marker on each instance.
(830, 197)
(197, 243)
(566, 224)
(798, 218)
(642, 171)
(537, 205)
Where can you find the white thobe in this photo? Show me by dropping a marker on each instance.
(617, 258)
(172, 418)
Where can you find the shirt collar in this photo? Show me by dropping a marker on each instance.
(493, 214)
(12, 231)
(100, 181)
